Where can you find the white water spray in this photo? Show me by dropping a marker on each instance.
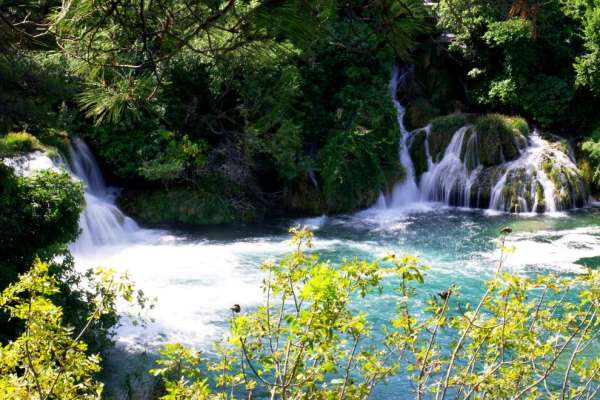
(460, 179)
(405, 191)
(101, 222)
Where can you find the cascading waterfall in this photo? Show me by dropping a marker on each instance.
(101, 222)
(450, 180)
(405, 191)
(541, 177)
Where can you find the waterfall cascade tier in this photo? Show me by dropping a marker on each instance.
(101, 222)
(533, 174)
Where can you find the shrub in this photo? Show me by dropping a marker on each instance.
(15, 143)
(49, 360)
(308, 341)
(39, 216)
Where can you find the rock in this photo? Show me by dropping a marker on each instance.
(418, 153)
(501, 138)
(441, 132)
(184, 206)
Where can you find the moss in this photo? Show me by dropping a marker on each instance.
(302, 196)
(571, 187)
(442, 130)
(541, 204)
(471, 162)
(56, 140)
(418, 153)
(518, 124)
(481, 190)
(15, 143)
(418, 113)
(500, 138)
(185, 206)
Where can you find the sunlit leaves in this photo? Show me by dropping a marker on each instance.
(49, 360)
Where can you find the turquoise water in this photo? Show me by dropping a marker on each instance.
(196, 276)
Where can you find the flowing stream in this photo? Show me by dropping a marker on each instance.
(197, 275)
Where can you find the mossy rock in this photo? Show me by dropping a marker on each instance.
(184, 206)
(418, 113)
(302, 196)
(501, 138)
(472, 159)
(418, 153)
(520, 185)
(571, 188)
(441, 132)
(16, 143)
(481, 190)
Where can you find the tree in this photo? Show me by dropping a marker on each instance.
(525, 338)
(49, 360)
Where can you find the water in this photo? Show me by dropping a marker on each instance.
(460, 179)
(405, 191)
(101, 222)
(197, 276)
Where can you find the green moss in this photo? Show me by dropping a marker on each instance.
(302, 196)
(539, 191)
(500, 138)
(418, 153)
(571, 187)
(15, 143)
(518, 124)
(185, 206)
(482, 188)
(56, 141)
(418, 113)
(442, 130)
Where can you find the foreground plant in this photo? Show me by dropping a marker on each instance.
(525, 338)
(49, 360)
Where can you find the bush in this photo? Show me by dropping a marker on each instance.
(212, 202)
(39, 215)
(15, 143)
(309, 340)
(49, 360)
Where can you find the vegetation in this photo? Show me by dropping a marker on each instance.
(525, 337)
(50, 360)
(225, 111)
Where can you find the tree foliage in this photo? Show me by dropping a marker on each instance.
(49, 360)
(527, 337)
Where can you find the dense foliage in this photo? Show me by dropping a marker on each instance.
(39, 216)
(280, 103)
(527, 57)
(50, 359)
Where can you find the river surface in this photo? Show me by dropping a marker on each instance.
(196, 277)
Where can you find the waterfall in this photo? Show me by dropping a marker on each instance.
(101, 222)
(449, 181)
(541, 177)
(405, 191)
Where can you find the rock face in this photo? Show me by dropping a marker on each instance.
(493, 161)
